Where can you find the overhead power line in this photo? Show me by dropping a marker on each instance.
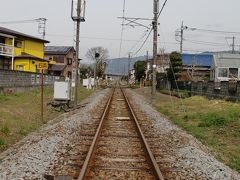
(20, 21)
(123, 20)
(144, 42)
(212, 31)
(160, 12)
(205, 42)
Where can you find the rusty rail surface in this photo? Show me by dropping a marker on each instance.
(94, 143)
(147, 148)
(155, 171)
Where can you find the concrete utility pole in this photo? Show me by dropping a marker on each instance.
(155, 36)
(233, 45)
(129, 58)
(181, 41)
(77, 18)
(77, 51)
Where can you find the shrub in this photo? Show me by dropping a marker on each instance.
(2, 142)
(23, 131)
(212, 119)
(3, 98)
(5, 129)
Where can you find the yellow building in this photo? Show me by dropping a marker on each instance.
(20, 51)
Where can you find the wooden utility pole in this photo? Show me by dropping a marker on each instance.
(155, 36)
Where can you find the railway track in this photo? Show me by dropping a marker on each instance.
(119, 149)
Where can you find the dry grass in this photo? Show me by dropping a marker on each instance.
(216, 123)
(20, 114)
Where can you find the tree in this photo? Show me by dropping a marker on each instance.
(85, 71)
(139, 70)
(175, 66)
(98, 55)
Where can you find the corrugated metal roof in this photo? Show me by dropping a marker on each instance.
(227, 60)
(197, 59)
(19, 34)
(63, 50)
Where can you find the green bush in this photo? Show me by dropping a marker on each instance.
(2, 142)
(3, 98)
(5, 129)
(212, 119)
(23, 131)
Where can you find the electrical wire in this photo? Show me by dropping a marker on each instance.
(20, 21)
(144, 42)
(160, 12)
(175, 80)
(138, 41)
(213, 31)
(205, 42)
(123, 21)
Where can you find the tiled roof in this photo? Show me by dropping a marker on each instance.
(61, 50)
(29, 56)
(19, 34)
(56, 67)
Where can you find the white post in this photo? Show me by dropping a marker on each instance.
(13, 41)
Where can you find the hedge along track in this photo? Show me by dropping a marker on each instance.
(119, 149)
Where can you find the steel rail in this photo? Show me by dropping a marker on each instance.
(157, 171)
(91, 151)
(95, 140)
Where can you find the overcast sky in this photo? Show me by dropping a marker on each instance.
(103, 28)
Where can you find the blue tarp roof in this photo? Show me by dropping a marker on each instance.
(204, 59)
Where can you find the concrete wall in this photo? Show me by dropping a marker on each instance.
(18, 81)
(223, 90)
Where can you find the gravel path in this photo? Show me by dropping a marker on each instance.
(32, 157)
(188, 156)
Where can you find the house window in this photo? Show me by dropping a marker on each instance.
(59, 59)
(17, 43)
(223, 72)
(20, 67)
(69, 61)
(233, 73)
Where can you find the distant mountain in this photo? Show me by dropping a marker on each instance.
(119, 66)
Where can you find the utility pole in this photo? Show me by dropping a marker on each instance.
(181, 41)
(155, 36)
(129, 57)
(233, 45)
(77, 52)
(147, 75)
(77, 18)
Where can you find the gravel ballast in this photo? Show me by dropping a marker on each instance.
(53, 149)
(188, 155)
(32, 157)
